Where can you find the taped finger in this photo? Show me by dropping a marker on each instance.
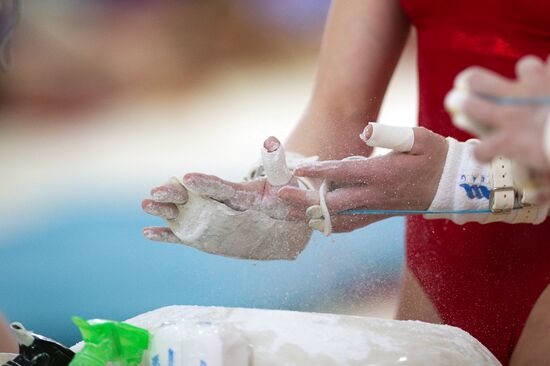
(400, 139)
(274, 162)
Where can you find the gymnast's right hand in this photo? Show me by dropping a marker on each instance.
(163, 203)
(259, 195)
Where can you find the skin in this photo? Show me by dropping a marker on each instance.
(517, 134)
(362, 43)
(363, 183)
(257, 195)
(357, 33)
(517, 131)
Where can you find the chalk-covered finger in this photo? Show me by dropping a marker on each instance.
(238, 196)
(162, 234)
(172, 192)
(167, 211)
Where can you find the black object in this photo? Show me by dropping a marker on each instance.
(37, 350)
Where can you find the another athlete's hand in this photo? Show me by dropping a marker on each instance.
(396, 181)
(517, 131)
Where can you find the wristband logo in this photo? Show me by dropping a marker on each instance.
(475, 190)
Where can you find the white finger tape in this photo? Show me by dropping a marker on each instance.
(400, 139)
(276, 169)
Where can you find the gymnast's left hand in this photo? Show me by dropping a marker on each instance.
(396, 181)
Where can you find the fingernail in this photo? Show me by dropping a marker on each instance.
(367, 132)
(272, 144)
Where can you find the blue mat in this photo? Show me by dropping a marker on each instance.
(82, 262)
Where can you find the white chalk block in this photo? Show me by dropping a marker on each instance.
(311, 339)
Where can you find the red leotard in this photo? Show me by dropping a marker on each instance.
(484, 279)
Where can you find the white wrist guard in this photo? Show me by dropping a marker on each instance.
(213, 227)
(467, 185)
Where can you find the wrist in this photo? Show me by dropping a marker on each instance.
(487, 192)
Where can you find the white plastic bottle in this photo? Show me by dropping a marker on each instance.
(189, 343)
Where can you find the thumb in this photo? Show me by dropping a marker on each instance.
(274, 162)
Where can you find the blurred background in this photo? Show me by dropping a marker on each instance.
(109, 98)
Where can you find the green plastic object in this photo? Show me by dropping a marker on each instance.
(111, 342)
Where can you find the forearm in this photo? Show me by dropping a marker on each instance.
(362, 43)
(322, 134)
